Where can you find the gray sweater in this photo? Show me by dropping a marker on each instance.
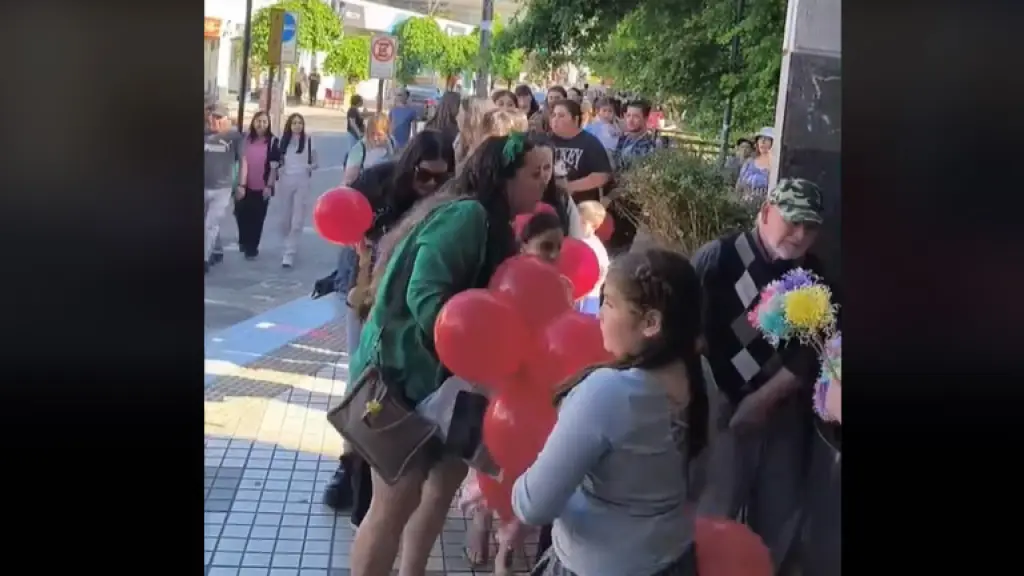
(611, 478)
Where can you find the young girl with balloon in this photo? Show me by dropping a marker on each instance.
(613, 474)
(449, 243)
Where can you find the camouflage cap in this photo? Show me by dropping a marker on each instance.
(798, 200)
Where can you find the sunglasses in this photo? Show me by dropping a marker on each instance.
(423, 176)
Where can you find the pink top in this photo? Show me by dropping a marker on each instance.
(256, 160)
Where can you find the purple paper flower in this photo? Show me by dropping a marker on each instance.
(795, 279)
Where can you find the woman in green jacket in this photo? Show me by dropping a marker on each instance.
(455, 240)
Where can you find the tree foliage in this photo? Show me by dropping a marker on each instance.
(458, 54)
(350, 59)
(421, 44)
(507, 60)
(319, 28)
(677, 51)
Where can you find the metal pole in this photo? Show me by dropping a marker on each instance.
(270, 100)
(483, 80)
(243, 90)
(734, 61)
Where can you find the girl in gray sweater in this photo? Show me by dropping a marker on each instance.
(613, 476)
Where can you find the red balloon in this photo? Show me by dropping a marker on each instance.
(579, 264)
(572, 342)
(497, 494)
(728, 548)
(534, 289)
(342, 215)
(516, 426)
(480, 338)
(606, 229)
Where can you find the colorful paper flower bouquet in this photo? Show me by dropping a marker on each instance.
(799, 305)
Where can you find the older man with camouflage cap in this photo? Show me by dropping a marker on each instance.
(760, 395)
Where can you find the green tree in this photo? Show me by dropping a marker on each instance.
(507, 61)
(319, 28)
(458, 54)
(420, 46)
(686, 65)
(350, 59)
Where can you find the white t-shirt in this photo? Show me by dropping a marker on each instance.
(602, 262)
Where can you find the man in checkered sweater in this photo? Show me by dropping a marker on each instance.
(760, 396)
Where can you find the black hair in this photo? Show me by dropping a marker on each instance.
(499, 94)
(286, 134)
(485, 176)
(663, 280)
(560, 90)
(524, 90)
(572, 107)
(576, 90)
(425, 146)
(446, 117)
(745, 140)
(604, 102)
(252, 126)
(643, 105)
(538, 224)
(553, 196)
(617, 107)
(355, 100)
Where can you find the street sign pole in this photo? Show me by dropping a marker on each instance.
(282, 49)
(483, 78)
(383, 50)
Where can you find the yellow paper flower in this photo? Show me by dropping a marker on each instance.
(809, 309)
(373, 407)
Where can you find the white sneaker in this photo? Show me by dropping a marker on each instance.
(288, 261)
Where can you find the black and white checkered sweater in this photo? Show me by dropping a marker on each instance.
(733, 270)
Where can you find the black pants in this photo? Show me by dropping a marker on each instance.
(250, 213)
(313, 87)
(361, 483)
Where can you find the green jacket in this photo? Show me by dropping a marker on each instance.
(450, 247)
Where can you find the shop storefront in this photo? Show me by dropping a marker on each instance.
(211, 53)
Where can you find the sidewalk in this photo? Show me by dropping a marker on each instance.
(269, 452)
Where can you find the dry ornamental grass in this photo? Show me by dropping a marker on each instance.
(682, 200)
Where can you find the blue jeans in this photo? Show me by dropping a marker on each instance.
(353, 328)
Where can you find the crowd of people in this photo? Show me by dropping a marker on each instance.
(697, 413)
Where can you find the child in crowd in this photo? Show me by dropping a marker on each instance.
(541, 236)
(614, 475)
(592, 215)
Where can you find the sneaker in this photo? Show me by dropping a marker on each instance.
(206, 267)
(338, 492)
(216, 258)
(288, 261)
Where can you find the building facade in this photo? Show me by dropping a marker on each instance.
(224, 27)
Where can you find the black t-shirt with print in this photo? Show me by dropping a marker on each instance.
(581, 156)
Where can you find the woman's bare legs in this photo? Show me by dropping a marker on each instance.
(376, 542)
(427, 521)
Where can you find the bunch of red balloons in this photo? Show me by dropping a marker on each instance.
(519, 339)
(342, 216)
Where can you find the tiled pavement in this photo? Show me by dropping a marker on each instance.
(268, 453)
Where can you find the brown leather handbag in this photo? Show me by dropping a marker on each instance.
(374, 417)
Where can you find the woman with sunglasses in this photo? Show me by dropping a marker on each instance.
(392, 187)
